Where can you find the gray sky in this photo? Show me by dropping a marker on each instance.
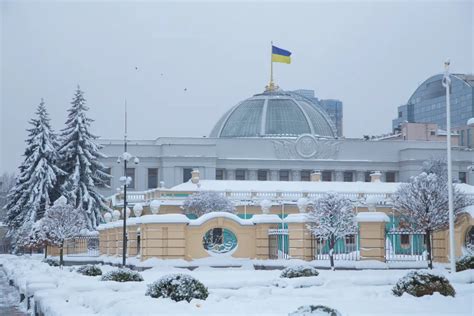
(370, 55)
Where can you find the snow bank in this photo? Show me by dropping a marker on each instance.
(210, 216)
(164, 218)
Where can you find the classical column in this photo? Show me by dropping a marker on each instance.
(252, 174)
(230, 174)
(360, 176)
(339, 176)
(295, 175)
(273, 175)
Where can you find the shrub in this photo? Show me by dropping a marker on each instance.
(89, 270)
(178, 287)
(122, 275)
(52, 262)
(465, 263)
(298, 272)
(423, 283)
(320, 310)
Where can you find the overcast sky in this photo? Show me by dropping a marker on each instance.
(370, 55)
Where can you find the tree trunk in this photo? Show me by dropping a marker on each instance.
(61, 261)
(331, 252)
(45, 251)
(428, 248)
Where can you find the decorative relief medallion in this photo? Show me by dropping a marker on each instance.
(306, 146)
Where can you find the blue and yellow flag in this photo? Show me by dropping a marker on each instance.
(280, 55)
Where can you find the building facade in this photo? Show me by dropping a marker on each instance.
(428, 103)
(275, 136)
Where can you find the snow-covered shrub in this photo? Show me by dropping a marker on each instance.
(122, 275)
(315, 310)
(178, 287)
(465, 263)
(205, 202)
(52, 262)
(89, 270)
(299, 271)
(420, 283)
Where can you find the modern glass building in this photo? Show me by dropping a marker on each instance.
(428, 103)
(333, 107)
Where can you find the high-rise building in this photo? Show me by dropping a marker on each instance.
(333, 107)
(428, 103)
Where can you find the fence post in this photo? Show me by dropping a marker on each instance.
(299, 238)
(372, 235)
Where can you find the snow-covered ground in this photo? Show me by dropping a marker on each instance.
(233, 291)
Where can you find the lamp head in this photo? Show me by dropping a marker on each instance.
(136, 161)
(118, 160)
(447, 63)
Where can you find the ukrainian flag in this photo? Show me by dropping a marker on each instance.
(280, 55)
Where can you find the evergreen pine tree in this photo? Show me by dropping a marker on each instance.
(80, 155)
(36, 184)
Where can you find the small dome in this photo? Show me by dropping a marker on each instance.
(274, 114)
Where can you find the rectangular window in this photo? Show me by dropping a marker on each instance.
(284, 175)
(348, 176)
(130, 172)
(367, 176)
(219, 174)
(463, 177)
(327, 176)
(262, 175)
(390, 176)
(187, 174)
(305, 175)
(240, 174)
(400, 114)
(152, 178)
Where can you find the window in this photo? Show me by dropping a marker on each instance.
(305, 175)
(400, 113)
(219, 174)
(432, 133)
(327, 176)
(405, 240)
(348, 176)
(187, 174)
(284, 175)
(152, 178)
(390, 176)
(240, 174)
(130, 172)
(262, 175)
(463, 177)
(367, 177)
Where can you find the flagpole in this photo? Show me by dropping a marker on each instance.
(271, 64)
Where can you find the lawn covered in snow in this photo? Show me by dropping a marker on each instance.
(233, 291)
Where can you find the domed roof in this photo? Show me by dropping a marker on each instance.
(274, 114)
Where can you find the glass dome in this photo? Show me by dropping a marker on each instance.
(274, 114)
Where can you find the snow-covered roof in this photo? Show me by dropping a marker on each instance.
(288, 186)
(372, 217)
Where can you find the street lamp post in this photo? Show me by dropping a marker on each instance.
(446, 84)
(126, 157)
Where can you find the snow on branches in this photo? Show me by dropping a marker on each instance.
(423, 204)
(205, 202)
(36, 185)
(80, 160)
(331, 218)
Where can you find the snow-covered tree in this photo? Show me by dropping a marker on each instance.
(204, 202)
(80, 155)
(7, 182)
(62, 222)
(423, 204)
(33, 235)
(36, 185)
(436, 165)
(331, 218)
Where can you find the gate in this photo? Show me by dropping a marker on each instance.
(403, 245)
(278, 243)
(82, 246)
(344, 249)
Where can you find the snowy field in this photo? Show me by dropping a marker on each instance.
(233, 291)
